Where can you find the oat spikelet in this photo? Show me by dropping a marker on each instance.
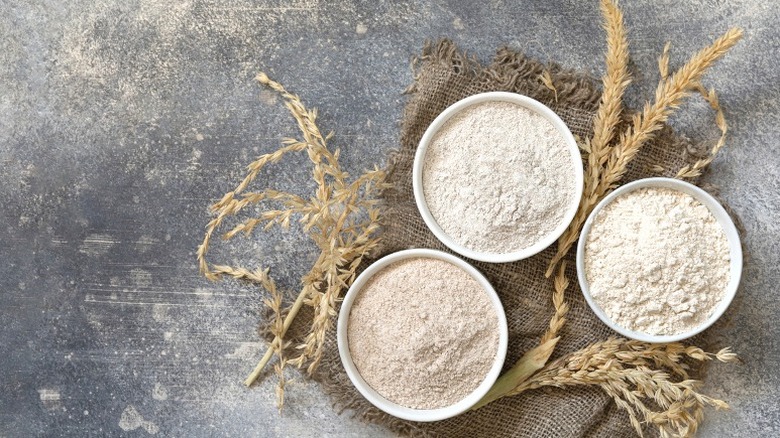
(547, 81)
(278, 346)
(614, 82)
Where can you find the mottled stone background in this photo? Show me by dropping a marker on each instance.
(120, 121)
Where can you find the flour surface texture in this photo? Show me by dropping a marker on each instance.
(423, 333)
(498, 177)
(657, 261)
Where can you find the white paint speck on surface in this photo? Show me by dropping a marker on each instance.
(457, 23)
(97, 244)
(49, 394)
(131, 419)
(140, 277)
(159, 392)
(50, 398)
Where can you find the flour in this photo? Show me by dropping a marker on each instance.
(657, 261)
(423, 333)
(498, 177)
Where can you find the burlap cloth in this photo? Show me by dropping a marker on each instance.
(444, 75)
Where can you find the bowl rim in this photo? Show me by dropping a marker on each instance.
(406, 413)
(441, 119)
(720, 214)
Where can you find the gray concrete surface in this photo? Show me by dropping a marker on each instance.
(120, 121)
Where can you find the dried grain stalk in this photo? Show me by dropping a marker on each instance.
(649, 381)
(696, 169)
(614, 82)
(534, 359)
(631, 372)
(561, 283)
(274, 303)
(342, 218)
(668, 96)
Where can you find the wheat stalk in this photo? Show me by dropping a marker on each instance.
(695, 169)
(636, 375)
(668, 96)
(614, 82)
(663, 61)
(561, 283)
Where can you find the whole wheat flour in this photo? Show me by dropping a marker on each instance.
(423, 333)
(657, 261)
(498, 177)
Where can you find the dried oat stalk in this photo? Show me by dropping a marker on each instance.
(342, 218)
(649, 381)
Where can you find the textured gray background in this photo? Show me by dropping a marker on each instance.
(120, 121)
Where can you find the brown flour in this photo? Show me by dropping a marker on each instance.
(423, 333)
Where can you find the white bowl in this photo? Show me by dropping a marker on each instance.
(720, 214)
(419, 158)
(393, 408)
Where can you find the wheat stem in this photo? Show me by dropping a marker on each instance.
(559, 303)
(614, 82)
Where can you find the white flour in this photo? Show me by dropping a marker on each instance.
(498, 177)
(657, 261)
(423, 333)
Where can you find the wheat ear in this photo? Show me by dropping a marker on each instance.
(668, 96)
(615, 81)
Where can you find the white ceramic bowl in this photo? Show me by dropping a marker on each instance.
(419, 158)
(717, 210)
(393, 408)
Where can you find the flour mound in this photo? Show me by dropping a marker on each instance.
(423, 333)
(657, 261)
(498, 177)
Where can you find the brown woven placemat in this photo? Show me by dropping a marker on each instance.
(444, 75)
